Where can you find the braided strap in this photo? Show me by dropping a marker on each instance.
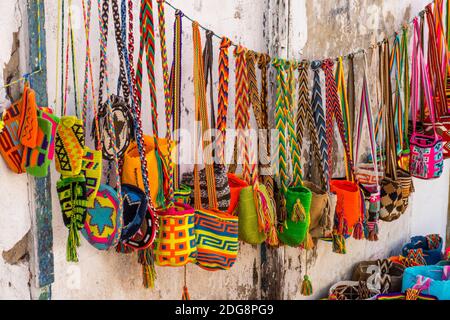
(319, 117)
(167, 97)
(334, 114)
(305, 118)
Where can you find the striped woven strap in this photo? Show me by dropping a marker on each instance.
(167, 98)
(175, 87)
(222, 112)
(292, 133)
(434, 61)
(345, 111)
(334, 115)
(147, 46)
(88, 74)
(395, 67)
(405, 80)
(202, 117)
(280, 119)
(319, 116)
(305, 119)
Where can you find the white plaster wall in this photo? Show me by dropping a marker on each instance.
(101, 275)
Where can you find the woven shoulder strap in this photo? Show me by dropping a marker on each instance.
(345, 111)
(201, 113)
(305, 120)
(334, 115)
(222, 112)
(366, 110)
(175, 88)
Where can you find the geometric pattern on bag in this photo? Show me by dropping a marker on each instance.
(417, 256)
(69, 146)
(176, 245)
(217, 240)
(392, 205)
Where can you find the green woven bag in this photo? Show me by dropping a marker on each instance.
(298, 205)
(248, 217)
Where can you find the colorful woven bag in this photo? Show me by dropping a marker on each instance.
(216, 231)
(132, 173)
(122, 118)
(20, 116)
(92, 170)
(430, 245)
(37, 160)
(427, 280)
(427, 160)
(72, 197)
(103, 225)
(69, 146)
(296, 198)
(134, 210)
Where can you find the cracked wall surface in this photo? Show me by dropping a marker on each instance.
(287, 28)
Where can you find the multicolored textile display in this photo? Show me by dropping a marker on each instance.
(92, 170)
(69, 146)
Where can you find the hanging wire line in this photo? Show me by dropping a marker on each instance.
(27, 76)
(350, 54)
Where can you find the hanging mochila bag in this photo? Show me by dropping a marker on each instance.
(393, 204)
(427, 159)
(348, 206)
(322, 210)
(439, 71)
(255, 209)
(323, 203)
(37, 160)
(220, 171)
(20, 116)
(71, 187)
(216, 231)
(297, 198)
(370, 187)
(104, 215)
(176, 241)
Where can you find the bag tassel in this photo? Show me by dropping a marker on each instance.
(307, 289)
(308, 244)
(185, 296)
(339, 244)
(73, 242)
(272, 238)
(123, 249)
(358, 231)
(146, 259)
(299, 212)
(373, 232)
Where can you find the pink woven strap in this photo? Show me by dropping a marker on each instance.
(420, 68)
(422, 284)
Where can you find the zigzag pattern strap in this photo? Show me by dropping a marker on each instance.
(222, 112)
(280, 119)
(175, 87)
(147, 45)
(305, 114)
(290, 112)
(242, 116)
(167, 96)
(334, 114)
(406, 85)
(319, 116)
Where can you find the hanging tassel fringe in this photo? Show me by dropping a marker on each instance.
(307, 289)
(358, 231)
(123, 249)
(73, 242)
(185, 296)
(146, 259)
(308, 244)
(339, 244)
(299, 212)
